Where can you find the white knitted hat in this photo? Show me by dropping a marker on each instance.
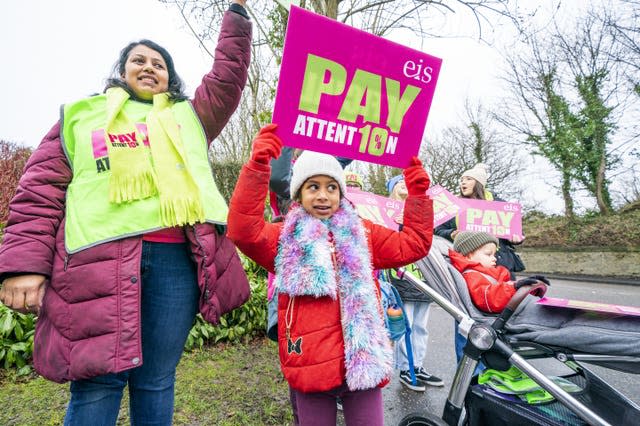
(479, 173)
(313, 164)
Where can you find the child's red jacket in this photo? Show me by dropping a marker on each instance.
(321, 367)
(487, 295)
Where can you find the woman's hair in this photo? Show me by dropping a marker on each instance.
(478, 191)
(176, 86)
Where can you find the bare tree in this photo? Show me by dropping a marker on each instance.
(379, 17)
(623, 26)
(477, 140)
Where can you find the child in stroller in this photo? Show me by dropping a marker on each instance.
(490, 285)
(535, 331)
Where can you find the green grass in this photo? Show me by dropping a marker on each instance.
(238, 384)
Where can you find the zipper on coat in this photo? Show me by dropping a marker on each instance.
(66, 262)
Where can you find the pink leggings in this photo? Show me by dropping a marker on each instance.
(363, 407)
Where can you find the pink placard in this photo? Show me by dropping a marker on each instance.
(381, 210)
(345, 92)
(445, 204)
(590, 306)
(498, 218)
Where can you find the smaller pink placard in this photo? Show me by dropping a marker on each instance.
(498, 218)
(381, 210)
(445, 204)
(590, 306)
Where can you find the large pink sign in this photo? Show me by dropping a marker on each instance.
(349, 93)
(381, 210)
(504, 220)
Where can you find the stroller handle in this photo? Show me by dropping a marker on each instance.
(518, 297)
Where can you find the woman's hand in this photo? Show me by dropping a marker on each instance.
(23, 293)
(266, 145)
(416, 178)
(517, 239)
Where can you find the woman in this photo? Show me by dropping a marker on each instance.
(472, 185)
(114, 236)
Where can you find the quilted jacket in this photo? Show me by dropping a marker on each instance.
(89, 323)
(490, 288)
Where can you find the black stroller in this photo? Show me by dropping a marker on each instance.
(523, 334)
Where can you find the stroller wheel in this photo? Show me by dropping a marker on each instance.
(421, 418)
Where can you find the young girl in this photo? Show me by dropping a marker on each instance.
(490, 285)
(331, 334)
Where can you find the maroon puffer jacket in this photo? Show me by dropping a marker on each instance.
(89, 324)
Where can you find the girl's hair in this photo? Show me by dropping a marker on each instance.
(176, 86)
(478, 191)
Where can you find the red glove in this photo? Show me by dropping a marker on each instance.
(266, 145)
(416, 178)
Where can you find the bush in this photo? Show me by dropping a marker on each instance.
(225, 175)
(12, 161)
(16, 339)
(241, 324)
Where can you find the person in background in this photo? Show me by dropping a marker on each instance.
(490, 285)
(416, 306)
(473, 186)
(115, 237)
(354, 180)
(331, 334)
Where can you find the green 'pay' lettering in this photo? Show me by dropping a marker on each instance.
(364, 85)
(398, 107)
(314, 85)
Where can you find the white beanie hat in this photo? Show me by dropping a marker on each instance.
(479, 173)
(314, 164)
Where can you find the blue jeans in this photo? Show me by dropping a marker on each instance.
(418, 315)
(460, 343)
(168, 307)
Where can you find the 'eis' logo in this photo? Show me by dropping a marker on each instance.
(417, 71)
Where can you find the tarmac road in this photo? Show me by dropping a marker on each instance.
(399, 401)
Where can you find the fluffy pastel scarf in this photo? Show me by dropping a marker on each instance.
(136, 175)
(304, 267)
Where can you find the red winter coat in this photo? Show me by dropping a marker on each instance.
(89, 324)
(317, 320)
(488, 296)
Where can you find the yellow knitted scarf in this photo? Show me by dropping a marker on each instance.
(138, 173)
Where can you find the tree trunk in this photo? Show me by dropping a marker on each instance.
(566, 195)
(603, 197)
